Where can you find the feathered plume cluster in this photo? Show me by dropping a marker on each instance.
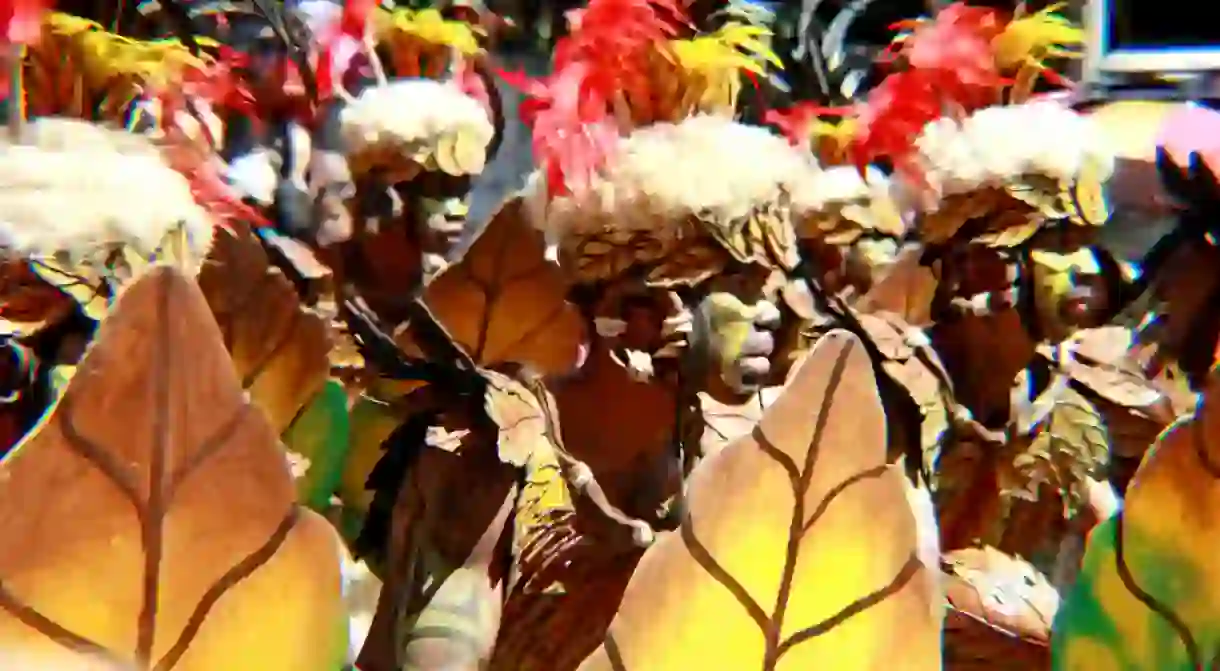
(623, 65)
(996, 144)
(54, 161)
(950, 65)
(79, 68)
(604, 57)
(75, 187)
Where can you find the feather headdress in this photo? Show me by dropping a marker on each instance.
(80, 69)
(77, 189)
(843, 203)
(966, 139)
(640, 161)
(437, 114)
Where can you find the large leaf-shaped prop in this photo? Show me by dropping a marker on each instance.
(281, 352)
(799, 551)
(150, 521)
(504, 302)
(1146, 596)
(280, 349)
(906, 289)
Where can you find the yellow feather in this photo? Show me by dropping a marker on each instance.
(713, 63)
(831, 139)
(733, 47)
(110, 68)
(1030, 40)
(426, 26)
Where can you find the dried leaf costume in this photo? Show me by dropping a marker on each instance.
(407, 140)
(649, 194)
(1004, 194)
(848, 223)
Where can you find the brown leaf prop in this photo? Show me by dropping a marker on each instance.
(280, 349)
(724, 422)
(1000, 612)
(906, 289)
(504, 302)
(799, 551)
(150, 520)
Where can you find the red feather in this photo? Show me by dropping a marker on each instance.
(21, 20)
(356, 15)
(218, 85)
(20, 23)
(794, 122)
(606, 52)
(947, 67)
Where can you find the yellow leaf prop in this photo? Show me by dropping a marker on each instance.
(799, 550)
(1146, 596)
(505, 303)
(149, 522)
(279, 348)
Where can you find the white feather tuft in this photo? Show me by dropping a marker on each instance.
(411, 113)
(664, 173)
(997, 145)
(839, 185)
(254, 175)
(78, 188)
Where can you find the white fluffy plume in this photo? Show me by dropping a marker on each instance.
(997, 145)
(706, 165)
(411, 115)
(76, 187)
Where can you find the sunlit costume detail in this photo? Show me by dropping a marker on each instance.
(646, 187)
(85, 191)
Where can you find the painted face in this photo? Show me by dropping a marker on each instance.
(740, 318)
